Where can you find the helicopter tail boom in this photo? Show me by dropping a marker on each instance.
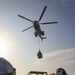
(42, 37)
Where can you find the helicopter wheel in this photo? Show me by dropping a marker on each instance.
(43, 33)
(35, 34)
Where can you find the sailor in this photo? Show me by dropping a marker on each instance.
(6, 68)
(61, 71)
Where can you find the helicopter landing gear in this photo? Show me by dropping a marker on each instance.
(35, 34)
(43, 33)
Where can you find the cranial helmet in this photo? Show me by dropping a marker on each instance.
(61, 71)
(6, 68)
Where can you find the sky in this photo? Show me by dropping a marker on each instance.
(21, 48)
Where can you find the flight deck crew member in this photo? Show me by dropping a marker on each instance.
(6, 68)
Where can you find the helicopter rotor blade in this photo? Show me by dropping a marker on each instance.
(25, 18)
(27, 28)
(48, 23)
(42, 13)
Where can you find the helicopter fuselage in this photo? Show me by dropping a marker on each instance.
(36, 25)
(37, 28)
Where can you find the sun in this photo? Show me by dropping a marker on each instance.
(2, 47)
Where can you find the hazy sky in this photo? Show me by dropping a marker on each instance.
(21, 47)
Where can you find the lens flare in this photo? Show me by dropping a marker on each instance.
(2, 47)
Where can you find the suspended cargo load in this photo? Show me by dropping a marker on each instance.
(39, 54)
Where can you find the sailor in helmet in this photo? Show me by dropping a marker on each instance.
(6, 68)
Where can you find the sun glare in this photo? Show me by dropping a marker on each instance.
(2, 47)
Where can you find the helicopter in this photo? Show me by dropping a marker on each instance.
(36, 25)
